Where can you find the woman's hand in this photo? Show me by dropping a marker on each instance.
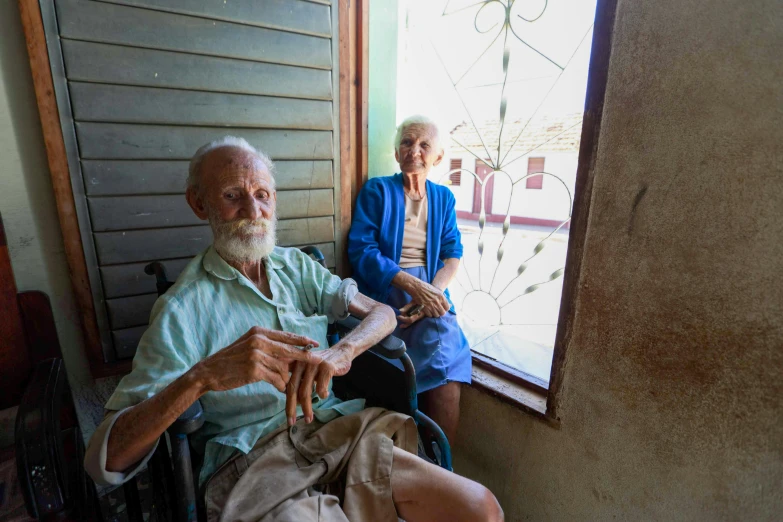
(431, 298)
(406, 320)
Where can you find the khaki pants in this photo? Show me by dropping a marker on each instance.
(339, 471)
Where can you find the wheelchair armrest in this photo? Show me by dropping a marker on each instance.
(39, 451)
(184, 482)
(390, 347)
(190, 420)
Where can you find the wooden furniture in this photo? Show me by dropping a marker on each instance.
(48, 446)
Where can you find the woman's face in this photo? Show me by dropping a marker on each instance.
(419, 149)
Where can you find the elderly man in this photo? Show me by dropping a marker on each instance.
(244, 331)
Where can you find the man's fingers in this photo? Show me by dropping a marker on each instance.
(322, 381)
(286, 352)
(275, 380)
(277, 366)
(306, 392)
(291, 392)
(290, 338)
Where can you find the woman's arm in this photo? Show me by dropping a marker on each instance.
(446, 274)
(375, 269)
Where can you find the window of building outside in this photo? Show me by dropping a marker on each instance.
(506, 81)
(534, 180)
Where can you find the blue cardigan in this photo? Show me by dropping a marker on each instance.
(375, 239)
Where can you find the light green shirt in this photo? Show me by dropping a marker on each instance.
(209, 307)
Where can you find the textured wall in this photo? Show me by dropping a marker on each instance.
(26, 196)
(673, 392)
(382, 92)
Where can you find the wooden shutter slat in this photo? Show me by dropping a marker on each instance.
(126, 104)
(132, 311)
(106, 63)
(117, 24)
(135, 212)
(287, 15)
(170, 243)
(118, 177)
(130, 279)
(133, 141)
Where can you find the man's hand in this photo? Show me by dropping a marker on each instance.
(259, 355)
(335, 361)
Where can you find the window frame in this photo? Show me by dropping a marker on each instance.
(536, 399)
(531, 394)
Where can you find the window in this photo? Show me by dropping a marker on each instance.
(455, 177)
(506, 81)
(535, 165)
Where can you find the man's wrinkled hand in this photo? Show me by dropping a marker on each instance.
(334, 362)
(259, 355)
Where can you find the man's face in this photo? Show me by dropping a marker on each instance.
(238, 199)
(419, 149)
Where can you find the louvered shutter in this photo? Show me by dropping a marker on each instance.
(141, 84)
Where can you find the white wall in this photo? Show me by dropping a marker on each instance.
(26, 197)
(550, 202)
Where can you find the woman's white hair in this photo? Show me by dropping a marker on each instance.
(194, 174)
(416, 119)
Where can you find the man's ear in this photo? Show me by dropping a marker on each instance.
(197, 204)
(397, 155)
(439, 158)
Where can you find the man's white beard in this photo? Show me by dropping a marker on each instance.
(244, 240)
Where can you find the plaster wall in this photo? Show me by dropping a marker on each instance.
(382, 102)
(26, 196)
(672, 401)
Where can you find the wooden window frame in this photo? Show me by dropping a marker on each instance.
(352, 41)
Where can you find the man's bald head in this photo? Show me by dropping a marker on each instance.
(227, 148)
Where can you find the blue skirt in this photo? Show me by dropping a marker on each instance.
(437, 346)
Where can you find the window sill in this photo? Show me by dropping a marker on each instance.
(529, 401)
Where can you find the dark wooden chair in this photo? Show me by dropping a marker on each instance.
(372, 377)
(48, 446)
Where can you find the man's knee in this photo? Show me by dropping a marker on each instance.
(490, 507)
(482, 504)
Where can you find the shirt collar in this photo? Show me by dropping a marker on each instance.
(217, 266)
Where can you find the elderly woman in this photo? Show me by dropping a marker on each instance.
(405, 248)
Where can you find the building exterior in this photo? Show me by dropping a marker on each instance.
(549, 146)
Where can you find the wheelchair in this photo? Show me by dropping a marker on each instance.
(373, 377)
